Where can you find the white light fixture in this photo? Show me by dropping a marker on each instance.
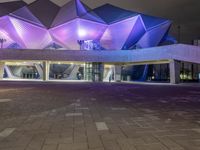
(81, 32)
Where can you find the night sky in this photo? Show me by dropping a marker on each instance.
(185, 13)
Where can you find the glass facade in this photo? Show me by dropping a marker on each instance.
(23, 72)
(153, 72)
(94, 71)
(158, 72)
(100, 72)
(66, 71)
(189, 72)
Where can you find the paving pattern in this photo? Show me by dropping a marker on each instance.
(91, 116)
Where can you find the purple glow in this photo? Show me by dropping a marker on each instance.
(82, 32)
(75, 21)
(4, 35)
(9, 32)
(154, 36)
(34, 37)
(116, 34)
(78, 29)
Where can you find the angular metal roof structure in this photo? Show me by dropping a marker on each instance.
(75, 9)
(26, 15)
(151, 22)
(111, 14)
(8, 7)
(43, 24)
(45, 11)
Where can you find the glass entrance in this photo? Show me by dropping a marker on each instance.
(94, 71)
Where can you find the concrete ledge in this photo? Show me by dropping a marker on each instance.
(178, 52)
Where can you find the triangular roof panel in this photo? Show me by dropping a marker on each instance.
(70, 11)
(53, 45)
(9, 7)
(25, 14)
(45, 11)
(137, 32)
(92, 16)
(153, 37)
(111, 39)
(81, 8)
(75, 9)
(151, 22)
(66, 13)
(112, 14)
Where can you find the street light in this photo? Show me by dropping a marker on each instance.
(2, 41)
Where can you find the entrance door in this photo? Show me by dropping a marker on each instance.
(94, 72)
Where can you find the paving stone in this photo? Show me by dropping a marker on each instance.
(80, 139)
(6, 132)
(76, 146)
(93, 99)
(50, 147)
(5, 100)
(125, 145)
(75, 104)
(118, 108)
(151, 147)
(14, 148)
(97, 149)
(170, 144)
(99, 117)
(136, 141)
(101, 126)
(111, 145)
(150, 139)
(94, 143)
(196, 130)
(73, 114)
(82, 108)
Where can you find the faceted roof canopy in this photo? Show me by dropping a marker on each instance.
(26, 15)
(45, 11)
(8, 7)
(111, 14)
(75, 9)
(41, 23)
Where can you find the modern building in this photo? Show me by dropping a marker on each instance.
(46, 42)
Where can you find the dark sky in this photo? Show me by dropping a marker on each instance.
(185, 13)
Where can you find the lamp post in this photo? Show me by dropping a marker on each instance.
(2, 41)
(179, 33)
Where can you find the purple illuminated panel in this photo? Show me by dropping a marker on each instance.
(116, 34)
(9, 33)
(154, 36)
(75, 21)
(78, 29)
(8, 41)
(66, 35)
(33, 37)
(137, 32)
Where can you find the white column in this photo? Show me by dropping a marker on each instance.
(174, 67)
(46, 71)
(118, 70)
(2, 64)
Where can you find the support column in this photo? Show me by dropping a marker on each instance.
(118, 71)
(2, 64)
(46, 71)
(174, 67)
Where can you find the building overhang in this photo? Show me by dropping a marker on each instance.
(153, 55)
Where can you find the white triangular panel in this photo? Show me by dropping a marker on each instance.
(116, 34)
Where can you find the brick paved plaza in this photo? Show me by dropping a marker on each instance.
(89, 116)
